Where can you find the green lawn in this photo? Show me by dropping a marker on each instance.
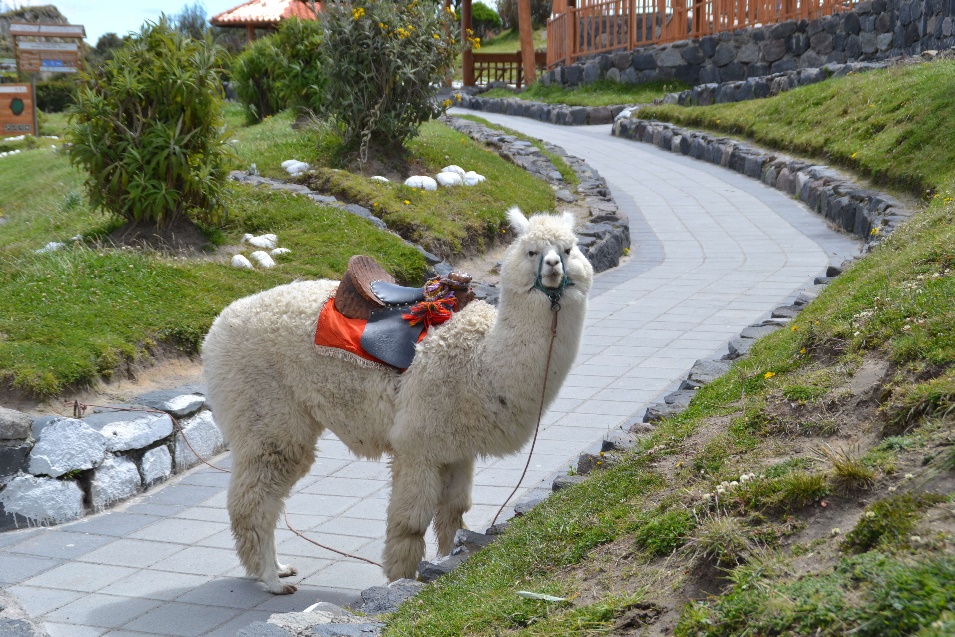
(890, 125)
(80, 313)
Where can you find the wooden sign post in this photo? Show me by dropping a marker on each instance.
(16, 110)
(37, 55)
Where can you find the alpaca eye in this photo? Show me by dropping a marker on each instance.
(532, 253)
(567, 251)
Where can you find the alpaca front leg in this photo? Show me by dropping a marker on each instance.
(455, 501)
(415, 489)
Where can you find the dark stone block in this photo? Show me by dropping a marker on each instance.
(760, 89)
(725, 94)
(644, 61)
(783, 65)
(745, 92)
(732, 72)
(759, 69)
(853, 47)
(797, 43)
(622, 60)
(773, 50)
(573, 74)
(688, 73)
(708, 45)
(821, 43)
(883, 23)
(814, 27)
(386, 599)
(605, 62)
(725, 53)
(710, 74)
(905, 13)
(430, 571)
(592, 72)
(785, 311)
(783, 29)
(693, 54)
(562, 482)
(851, 23)
(578, 115)
(13, 457)
(474, 541)
(911, 34)
(601, 115)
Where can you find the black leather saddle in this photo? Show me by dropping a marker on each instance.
(369, 293)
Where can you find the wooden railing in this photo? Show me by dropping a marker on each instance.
(600, 26)
(504, 67)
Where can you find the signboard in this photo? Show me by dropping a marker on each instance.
(49, 30)
(57, 57)
(8, 64)
(16, 110)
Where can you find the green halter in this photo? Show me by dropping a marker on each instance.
(553, 294)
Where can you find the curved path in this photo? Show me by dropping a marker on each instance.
(712, 253)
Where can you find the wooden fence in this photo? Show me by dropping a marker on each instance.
(504, 67)
(587, 27)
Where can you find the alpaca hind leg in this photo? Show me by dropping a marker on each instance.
(260, 484)
(415, 489)
(454, 502)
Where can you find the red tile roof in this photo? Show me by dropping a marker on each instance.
(264, 13)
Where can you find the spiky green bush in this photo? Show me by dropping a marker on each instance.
(282, 70)
(147, 126)
(385, 64)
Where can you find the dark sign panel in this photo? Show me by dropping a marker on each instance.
(16, 110)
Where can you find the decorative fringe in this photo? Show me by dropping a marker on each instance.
(344, 355)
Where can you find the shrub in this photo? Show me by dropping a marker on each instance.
(540, 11)
(281, 70)
(484, 20)
(54, 96)
(146, 127)
(385, 63)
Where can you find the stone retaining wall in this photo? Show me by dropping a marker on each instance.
(866, 213)
(56, 469)
(873, 30)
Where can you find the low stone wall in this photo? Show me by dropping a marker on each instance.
(55, 469)
(873, 30)
(866, 213)
(554, 113)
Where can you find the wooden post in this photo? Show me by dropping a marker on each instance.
(467, 56)
(249, 32)
(572, 39)
(527, 40)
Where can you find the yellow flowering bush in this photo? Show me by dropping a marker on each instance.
(385, 63)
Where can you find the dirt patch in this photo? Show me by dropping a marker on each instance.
(163, 373)
(181, 237)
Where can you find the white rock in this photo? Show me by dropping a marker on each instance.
(380, 179)
(449, 179)
(294, 167)
(473, 179)
(421, 182)
(280, 251)
(116, 479)
(65, 446)
(52, 246)
(43, 500)
(265, 241)
(263, 259)
(457, 170)
(203, 435)
(239, 261)
(156, 465)
(137, 432)
(184, 404)
(624, 114)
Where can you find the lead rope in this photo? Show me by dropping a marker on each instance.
(555, 308)
(79, 408)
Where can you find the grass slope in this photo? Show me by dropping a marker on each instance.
(889, 125)
(844, 522)
(600, 93)
(83, 312)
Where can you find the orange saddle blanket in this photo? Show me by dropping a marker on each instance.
(337, 331)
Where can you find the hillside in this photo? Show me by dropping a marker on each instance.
(809, 491)
(47, 14)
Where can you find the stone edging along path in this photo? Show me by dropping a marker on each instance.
(864, 212)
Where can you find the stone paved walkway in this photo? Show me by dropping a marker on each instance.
(712, 253)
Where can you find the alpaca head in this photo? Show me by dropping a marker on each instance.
(545, 244)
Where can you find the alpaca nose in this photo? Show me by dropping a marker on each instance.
(552, 260)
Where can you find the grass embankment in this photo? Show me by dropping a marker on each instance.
(600, 93)
(842, 424)
(891, 125)
(83, 312)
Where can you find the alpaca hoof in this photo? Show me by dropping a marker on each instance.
(282, 589)
(287, 570)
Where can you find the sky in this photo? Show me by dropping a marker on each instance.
(121, 16)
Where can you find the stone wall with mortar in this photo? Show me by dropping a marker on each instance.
(56, 469)
(873, 30)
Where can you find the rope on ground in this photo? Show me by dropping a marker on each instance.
(327, 548)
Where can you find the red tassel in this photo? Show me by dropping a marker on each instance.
(432, 313)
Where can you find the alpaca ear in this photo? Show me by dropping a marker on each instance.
(518, 221)
(569, 219)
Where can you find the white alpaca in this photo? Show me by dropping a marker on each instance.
(474, 389)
